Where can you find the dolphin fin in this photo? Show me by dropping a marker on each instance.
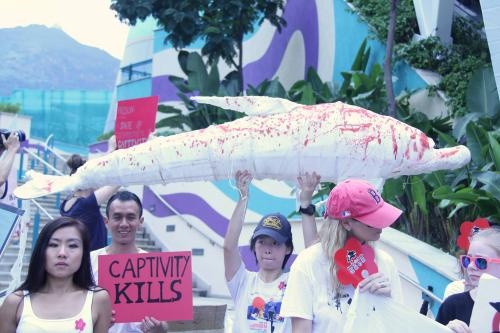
(40, 185)
(250, 105)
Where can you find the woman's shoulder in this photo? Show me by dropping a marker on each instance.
(100, 295)
(311, 255)
(14, 298)
(463, 297)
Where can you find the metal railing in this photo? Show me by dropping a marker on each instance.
(429, 299)
(40, 160)
(49, 148)
(37, 220)
(46, 151)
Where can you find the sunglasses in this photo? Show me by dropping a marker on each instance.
(480, 262)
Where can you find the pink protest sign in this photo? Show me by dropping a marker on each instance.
(355, 262)
(135, 120)
(148, 284)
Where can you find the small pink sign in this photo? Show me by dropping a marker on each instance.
(135, 120)
(355, 262)
(148, 284)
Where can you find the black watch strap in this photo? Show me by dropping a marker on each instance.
(309, 210)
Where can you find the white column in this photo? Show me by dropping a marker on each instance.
(434, 18)
(491, 15)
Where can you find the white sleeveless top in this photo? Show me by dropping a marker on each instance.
(81, 323)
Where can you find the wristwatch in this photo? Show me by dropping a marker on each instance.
(309, 210)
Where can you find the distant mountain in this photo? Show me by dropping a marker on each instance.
(38, 57)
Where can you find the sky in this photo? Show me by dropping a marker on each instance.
(90, 22)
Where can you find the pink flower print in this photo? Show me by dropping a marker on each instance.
(80, 325)
(282, 285)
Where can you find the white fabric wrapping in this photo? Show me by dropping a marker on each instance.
(337, 141)
(379, 314)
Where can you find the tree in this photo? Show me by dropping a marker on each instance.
(391, 100)
(222, 24)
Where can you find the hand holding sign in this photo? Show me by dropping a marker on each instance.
(148, 284)
(355, 262)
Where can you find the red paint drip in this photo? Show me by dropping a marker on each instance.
(424, 145)
(394, 142)
(354, 128)
(448, 153)
(366, 141)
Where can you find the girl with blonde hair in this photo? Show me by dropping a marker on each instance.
(315, 300)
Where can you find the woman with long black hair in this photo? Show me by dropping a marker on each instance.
(59, 293)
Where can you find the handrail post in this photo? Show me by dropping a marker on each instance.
(54, 163)
(58, 199)
(20, 171)
(46, 159)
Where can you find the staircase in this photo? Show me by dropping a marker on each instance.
(49, 203)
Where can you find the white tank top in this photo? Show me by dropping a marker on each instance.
(81, 323)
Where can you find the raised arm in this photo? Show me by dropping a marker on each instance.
(307, 184)
(103, 194)
(232, 259)
(12, 145)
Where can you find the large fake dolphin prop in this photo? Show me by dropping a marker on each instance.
(278, 139)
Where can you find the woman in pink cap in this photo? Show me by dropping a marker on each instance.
(315, 300)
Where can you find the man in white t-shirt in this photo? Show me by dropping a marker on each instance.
(123, 218)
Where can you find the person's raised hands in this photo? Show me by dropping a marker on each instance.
(243, 180)
(307, 185)
(12, 142)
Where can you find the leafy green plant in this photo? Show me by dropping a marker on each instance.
(10, 108)
(201, 79)
(427, 53)
(436, 204)
(361, 88)
(454, 63)
(105, 136)
(376, 13)
(312, 90)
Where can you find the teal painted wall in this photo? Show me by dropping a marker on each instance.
(74, 117)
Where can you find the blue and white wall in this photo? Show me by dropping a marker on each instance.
(323, 34)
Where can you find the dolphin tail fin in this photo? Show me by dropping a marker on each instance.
(40, 185)
(452, 157)
(250, 105)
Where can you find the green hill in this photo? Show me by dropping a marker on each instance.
(38, 57)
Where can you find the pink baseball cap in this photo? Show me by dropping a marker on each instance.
(359, 200)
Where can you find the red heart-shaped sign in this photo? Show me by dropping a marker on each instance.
(468, 229)
(355, 262)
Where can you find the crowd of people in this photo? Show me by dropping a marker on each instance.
(61, 291)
